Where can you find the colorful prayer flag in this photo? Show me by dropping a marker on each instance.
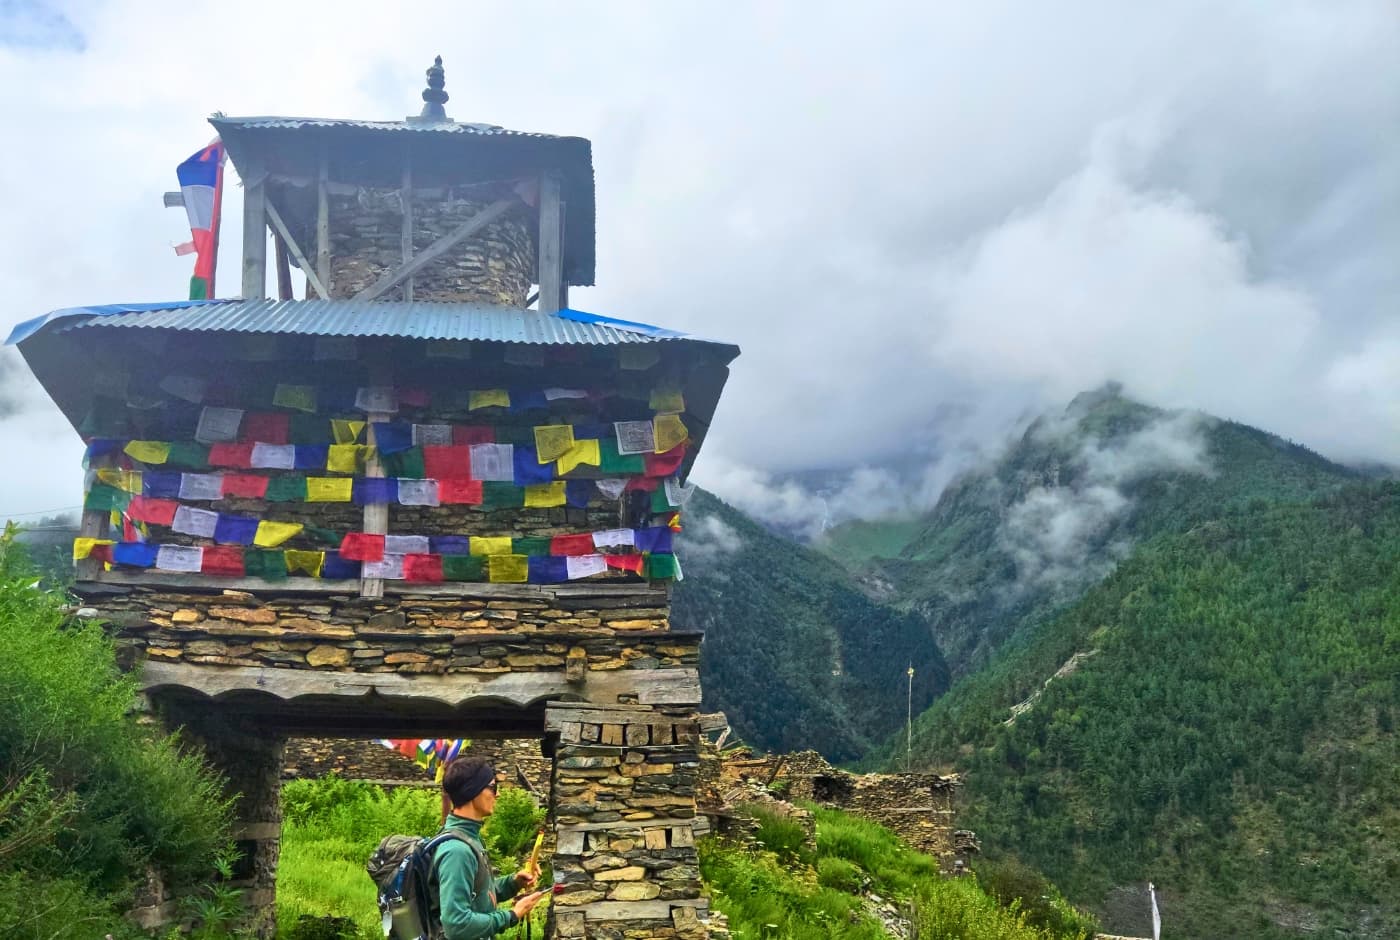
(201, 190)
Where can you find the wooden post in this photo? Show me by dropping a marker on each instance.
(323, 223)
(376, 514)
(286, 242)
(551, 255)
(284, 271)
(406, 238)
(95, 525)
(255, 231)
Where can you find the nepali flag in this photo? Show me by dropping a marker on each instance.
(201, 192)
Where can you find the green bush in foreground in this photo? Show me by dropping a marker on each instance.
(88, 796)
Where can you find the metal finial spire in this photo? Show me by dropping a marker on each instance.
(433, 96)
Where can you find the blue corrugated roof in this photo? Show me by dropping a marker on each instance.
(409, 319)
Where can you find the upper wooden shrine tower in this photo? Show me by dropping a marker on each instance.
(408, 503)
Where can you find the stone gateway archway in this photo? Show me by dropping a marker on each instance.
(367, 514)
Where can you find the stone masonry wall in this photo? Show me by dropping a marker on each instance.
(624, 804)
(497, 265)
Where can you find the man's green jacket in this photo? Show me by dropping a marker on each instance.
(465, 914)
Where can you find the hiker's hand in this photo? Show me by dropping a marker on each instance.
(523, 906)
(526, 878)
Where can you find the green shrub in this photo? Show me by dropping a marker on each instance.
(958, 909)
(509, 832)
(1014, 883)
(894, 868)
(779, 834)
(840, 874)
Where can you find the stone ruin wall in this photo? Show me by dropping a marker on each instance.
(496, 265)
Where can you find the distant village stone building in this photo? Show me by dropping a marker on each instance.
(425, 499)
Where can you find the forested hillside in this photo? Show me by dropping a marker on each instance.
(1229, 732)
(794, 653)
(1006, 547)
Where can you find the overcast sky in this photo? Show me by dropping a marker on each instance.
(920, 222)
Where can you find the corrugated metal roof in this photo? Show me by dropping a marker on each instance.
(409, 319)
(419, 127)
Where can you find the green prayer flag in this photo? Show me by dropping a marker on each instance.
(106, 498)
(661, 566)
(497, 494)
(106, 418)
(310, 429)
(406, 463)
(615, 464)
(659, 502)
(188, 455)
(515, 435)
(530, 546)
(464, 567)
(320, 535)
(271, 566)
(286, 489)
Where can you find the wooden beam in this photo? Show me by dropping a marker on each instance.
(406, 236)
(550, 272)
(255, 231)
(323, 222)
(521, 689)
(438, 248)
(284, 271)
(280, 228)
(376, 515)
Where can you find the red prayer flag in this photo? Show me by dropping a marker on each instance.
(152, 510)
(101, 553)
(663, 465)
(226, 560)
(645, 484)
(231, 455)
(422, 567)
(463, 434)
(246, 485)
(631, 563)
(572, 545)
(447, 463)
(413, 397)
(460, 492)
(267, 427)
(361, 546)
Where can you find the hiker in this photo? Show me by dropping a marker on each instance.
(469, 796)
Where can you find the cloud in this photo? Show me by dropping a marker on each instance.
(1056, 532)
(25, 24)
(708, 539)
(922, 224)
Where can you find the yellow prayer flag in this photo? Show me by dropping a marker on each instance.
(489, 545)
(345, 431)
(271, 534)
(300, 397)
(586, 451)
(328, 489)
(344, 458)
(545, 495)
(553, 441)
(82, 547)
(128, 481)
(669, 431)
(512, 569)
(488, 398)
(148, 451)
(308, 562)
(667, 401)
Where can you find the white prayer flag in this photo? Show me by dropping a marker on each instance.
(217, 425)
(179, 558)
(406, 545)
(493, 462)
(274, 456)
(187, 387)
(676, 494)
(635, 437)
(519, 354)
(378, 398)
(391, 568)
(334, 348)
(434, 435)
(554, 394)
(191, 521)
(201, 486)
(612, 488)
(583, 566)
(611, 538)
(1156, 915)
(418, 492)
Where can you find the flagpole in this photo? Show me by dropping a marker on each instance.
(909, 726)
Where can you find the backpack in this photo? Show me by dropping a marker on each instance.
(402, 868)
